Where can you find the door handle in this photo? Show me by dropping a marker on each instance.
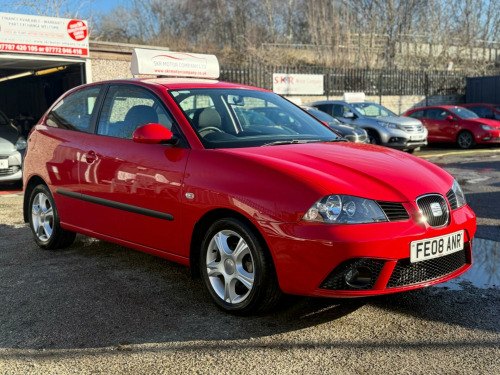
(90, 157)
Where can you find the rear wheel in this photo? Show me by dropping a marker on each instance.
(237, 268)
(44, 221)
(465, 139)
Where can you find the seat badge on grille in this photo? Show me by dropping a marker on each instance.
(436, 209)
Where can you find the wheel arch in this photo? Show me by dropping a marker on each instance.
(30, 185)
(202, 226)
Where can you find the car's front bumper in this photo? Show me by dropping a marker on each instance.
(312, 259)
(13, 172)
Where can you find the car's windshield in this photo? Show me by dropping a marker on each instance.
(228, 118)
(370, 109)
(463, 113)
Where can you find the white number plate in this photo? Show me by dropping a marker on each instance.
(417, 137)
(4, 163)
(436, 247)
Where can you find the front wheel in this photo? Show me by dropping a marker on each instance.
(237, 268)
(465, 140)
(44, 221)
(373, 137)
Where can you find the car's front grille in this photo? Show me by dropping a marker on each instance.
(413, 128)
(452, 199)
(406, 273)
(336, 280)
(434, 209)
(394, 211)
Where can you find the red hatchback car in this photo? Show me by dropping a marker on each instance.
(181, 169)
(447, 123)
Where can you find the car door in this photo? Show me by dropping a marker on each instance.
(438, 126)
(133, 190)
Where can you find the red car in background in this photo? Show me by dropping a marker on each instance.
(180, 168)
(484, 110)
(447, 123)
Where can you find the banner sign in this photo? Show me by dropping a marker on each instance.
(298, 84)
(21, 33)
(174, 64)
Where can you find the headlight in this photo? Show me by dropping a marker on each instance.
(459, 194)
(345, 209)
(487, 127)
(20, 144)
(388, 125)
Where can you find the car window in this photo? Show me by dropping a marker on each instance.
(339, 110)
(483, 112)
(128, 107)
(74, 111)
(436, 114)
(230, 118)
(463, 113)
(328, 108)
(372, 110)
(417, 114)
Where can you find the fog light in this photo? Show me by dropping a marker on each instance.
(359, 277)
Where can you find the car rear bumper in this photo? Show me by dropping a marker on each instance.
(314, 259)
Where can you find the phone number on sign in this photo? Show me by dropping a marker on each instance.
(43, 49)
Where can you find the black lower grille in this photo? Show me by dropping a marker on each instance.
(336, 279)
(406, 273)
(394, 211)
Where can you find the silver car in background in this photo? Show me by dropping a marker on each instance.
(383, 126)
(12, 147)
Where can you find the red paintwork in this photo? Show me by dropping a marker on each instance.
(272, 187)
(448, 130)
(152, 134)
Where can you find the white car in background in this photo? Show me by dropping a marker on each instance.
(12, 147)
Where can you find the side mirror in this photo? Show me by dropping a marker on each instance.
(348, 115)
(449, 118)
(154, 134)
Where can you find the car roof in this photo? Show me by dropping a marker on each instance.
(435, 106)
(183, 83)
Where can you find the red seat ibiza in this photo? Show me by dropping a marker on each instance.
(183, 169)
(451, 124)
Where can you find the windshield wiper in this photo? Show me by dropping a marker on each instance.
(291, 142)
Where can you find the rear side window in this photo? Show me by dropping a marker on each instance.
(325, 108)
(74, 111)
(126, 108)
(417, 114)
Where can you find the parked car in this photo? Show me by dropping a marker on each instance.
(448, 123)
(352, 133)
(257, 210)
(383, 126)
(484, 110)
(12, 146)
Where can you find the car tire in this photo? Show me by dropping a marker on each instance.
(237, 268)
(44, 221)
(465, 140)
(373, 137)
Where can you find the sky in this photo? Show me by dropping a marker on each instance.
(106, 5)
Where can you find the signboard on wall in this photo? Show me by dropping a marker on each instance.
(298, 84)
(21, 33)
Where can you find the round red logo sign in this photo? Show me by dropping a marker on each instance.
(77, 30)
